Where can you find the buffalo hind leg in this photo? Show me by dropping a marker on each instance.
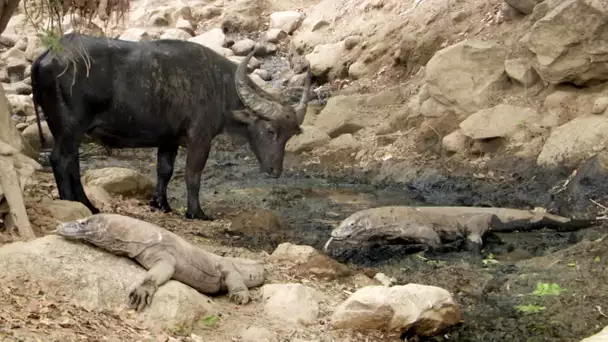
(164, 171)
(195, 163)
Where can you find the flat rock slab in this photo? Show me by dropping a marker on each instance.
(96, 280)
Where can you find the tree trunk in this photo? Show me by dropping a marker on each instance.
(7, 8)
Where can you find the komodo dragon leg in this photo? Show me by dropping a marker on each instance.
(235, 284)
(160, 272)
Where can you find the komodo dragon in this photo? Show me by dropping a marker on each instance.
(433, 225)
(166, 256)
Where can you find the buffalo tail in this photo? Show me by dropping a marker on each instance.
(35, 93)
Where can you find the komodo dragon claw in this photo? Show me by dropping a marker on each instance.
(240, 297)
(141, 296)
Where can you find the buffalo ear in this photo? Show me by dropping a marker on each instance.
(244, 116)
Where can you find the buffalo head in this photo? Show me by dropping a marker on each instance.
(270, 122)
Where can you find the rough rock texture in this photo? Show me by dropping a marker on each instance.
(455, 141)
(498, 121)
(64, 211)
(570, 42)
(294, 253)
(9, 133)
(257, 334)
(135, 35)
(119, 181)
(524, 6)
(32, 136)
(310, 138)
(97, 280)
(291, 303)
(466, 74)
(521, 70)
(287, 21)
(426, 309)
(570, 143)
(349, 113)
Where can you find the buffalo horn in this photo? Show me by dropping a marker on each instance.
(261, 105)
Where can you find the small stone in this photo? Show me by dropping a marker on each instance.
(275, 35)
(214, 38)
(321, 266)
(600, 104)
(384, 279)
(294, 253)
(351, 41)
(32, 136)
(263, 74)
(210, 11)
(455, 141)
(288, 21)
(266, 48)
(20, 88)
(21, 105)
(184, 12)
(175, 33)
(257, 334)
(291, 303)
(135, 35)
(185, 25)
(257, 80)
(297, 80)
(243, 47)
(160, 20)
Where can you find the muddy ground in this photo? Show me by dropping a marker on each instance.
(310, 200)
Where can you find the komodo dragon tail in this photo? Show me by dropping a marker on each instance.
(527, 224)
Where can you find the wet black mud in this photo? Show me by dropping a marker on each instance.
(312, 199)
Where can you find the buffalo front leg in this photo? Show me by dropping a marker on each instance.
(160, 273)
(164, 171)
(66, 169)
(195, 163)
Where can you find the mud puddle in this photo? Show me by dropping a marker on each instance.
(309, 204)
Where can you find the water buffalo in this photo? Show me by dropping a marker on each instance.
(163, 93)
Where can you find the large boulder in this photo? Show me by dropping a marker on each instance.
(97, 280)
(349, 113)
(498, 122)
(310, 138)
(425, 309)
(570, 42)
(119, 181)
(573, 141)
(465, 75)
(9, 133)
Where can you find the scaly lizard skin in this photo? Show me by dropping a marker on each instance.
(434, 225)
(166, 256)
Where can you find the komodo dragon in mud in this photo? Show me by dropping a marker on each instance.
(166, 256)
(433, 226)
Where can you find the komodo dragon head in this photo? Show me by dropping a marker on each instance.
(88, 229)
(119, 234)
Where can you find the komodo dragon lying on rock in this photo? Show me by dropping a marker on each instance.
(166, 256)
(433, 226)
